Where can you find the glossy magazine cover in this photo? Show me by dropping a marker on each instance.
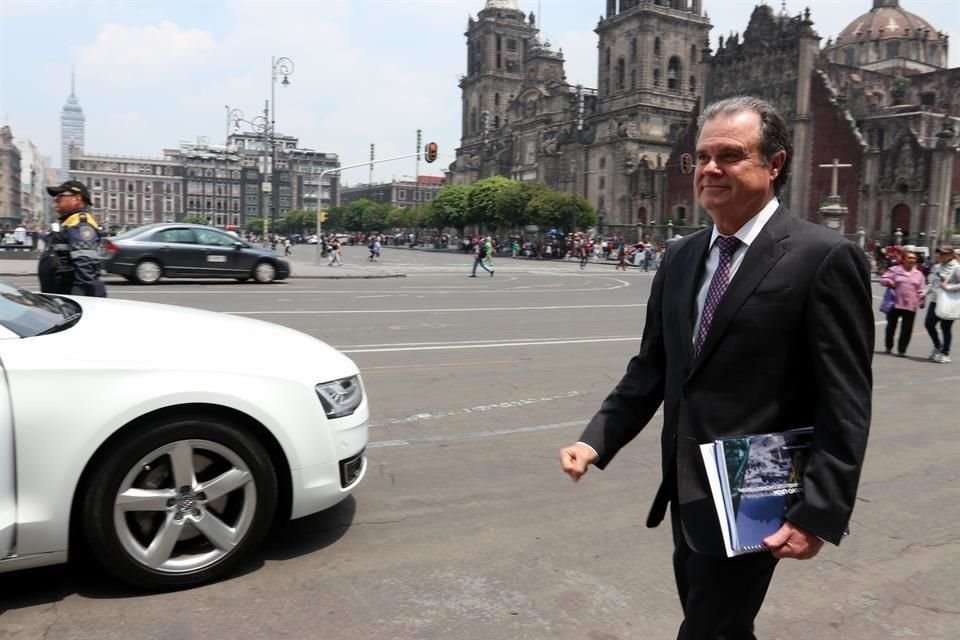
(760, 477)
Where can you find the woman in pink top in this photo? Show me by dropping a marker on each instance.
(909, 284)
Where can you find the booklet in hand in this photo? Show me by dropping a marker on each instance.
(754, 480)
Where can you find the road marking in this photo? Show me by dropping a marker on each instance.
(478, 435)
(509, 404)
(479, 342)
(367, 370)
(531, 343)
(454, 310)
(475, 435)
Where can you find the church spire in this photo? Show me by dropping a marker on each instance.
(73, 81)
(879, 4)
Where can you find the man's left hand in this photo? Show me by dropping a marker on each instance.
(790, 541)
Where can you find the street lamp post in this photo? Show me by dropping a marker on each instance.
(278, 67)
(260, 125)
(234, 116)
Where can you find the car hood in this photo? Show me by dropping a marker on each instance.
(129, 333)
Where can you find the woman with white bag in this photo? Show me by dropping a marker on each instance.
(943, 294)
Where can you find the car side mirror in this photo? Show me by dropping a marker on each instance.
(238, 245)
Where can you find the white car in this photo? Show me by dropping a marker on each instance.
(167, 439)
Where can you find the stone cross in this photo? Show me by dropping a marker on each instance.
(836, 165)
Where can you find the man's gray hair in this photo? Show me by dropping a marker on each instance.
(774, 133)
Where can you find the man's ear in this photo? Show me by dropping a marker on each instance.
(776, 163)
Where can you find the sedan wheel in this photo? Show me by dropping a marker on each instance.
(147, 272)
(264, 273)
(180, 503)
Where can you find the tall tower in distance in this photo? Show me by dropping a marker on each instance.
(72, 124)
(498, 42)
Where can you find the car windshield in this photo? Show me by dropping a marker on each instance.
(31, 314)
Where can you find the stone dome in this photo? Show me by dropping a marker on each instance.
(887, 20)
(502, 4)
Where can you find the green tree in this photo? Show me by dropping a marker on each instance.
(449, 208)
(513, 200)
(297, 221)
(254, 225)
(336, 218)
(353, 214)
(482, 207)
(559, 210)
(195, 219)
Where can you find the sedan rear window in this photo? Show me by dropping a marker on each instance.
(215, 238)
(178, 236)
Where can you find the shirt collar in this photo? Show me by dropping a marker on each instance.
(752, 227)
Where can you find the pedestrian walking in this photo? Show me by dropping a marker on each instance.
(335, 257)
(908, 284)
(944, 282)
(781, 336)
(480, 256)
(582, 254)
(622, 257)
(286, 247)
(70, 262)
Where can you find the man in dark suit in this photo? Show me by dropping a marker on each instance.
(759, 324)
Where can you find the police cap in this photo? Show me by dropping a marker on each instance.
(71, 186)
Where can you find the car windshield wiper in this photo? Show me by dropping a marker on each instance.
(66, 323)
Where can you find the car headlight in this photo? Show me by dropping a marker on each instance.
(341, 397)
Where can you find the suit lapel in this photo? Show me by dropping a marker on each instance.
(691, 260)
(763, 253)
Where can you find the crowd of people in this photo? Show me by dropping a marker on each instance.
(913, 285)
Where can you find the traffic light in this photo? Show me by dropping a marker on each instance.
(686, 163)
(430, 151)
(323, 216)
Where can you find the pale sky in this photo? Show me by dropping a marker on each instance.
(151, 74)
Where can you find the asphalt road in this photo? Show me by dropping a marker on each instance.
(465, 527)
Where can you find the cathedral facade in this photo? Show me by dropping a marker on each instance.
(876, 107)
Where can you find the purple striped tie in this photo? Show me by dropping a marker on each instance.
(718, 286)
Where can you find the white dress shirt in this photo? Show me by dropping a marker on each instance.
(746, 234)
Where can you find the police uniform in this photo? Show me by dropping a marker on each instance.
(70, 263)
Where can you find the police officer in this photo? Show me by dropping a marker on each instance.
(70, 263)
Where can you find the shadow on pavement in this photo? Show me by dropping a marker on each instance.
(82, 576)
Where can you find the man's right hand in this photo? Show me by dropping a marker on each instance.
(576, 458)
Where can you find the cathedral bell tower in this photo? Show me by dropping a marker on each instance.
(497, 44)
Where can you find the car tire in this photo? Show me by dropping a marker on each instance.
(264, 272)
(179, 503)
(147, 272)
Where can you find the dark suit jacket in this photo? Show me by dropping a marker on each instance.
(790, 345)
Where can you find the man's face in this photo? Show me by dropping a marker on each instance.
(731, 181)
(945, 257)
(67, 201)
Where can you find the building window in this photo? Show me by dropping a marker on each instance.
(633, 79)
(603, 163)
(511, 45)
(633, 50)
(673, 73)
(606, 60)
(693, 54)
(656, 47)
(693, 84)
(602, 183)
(656, 77)
(621, 72)
(401, 194)
(893, 49)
